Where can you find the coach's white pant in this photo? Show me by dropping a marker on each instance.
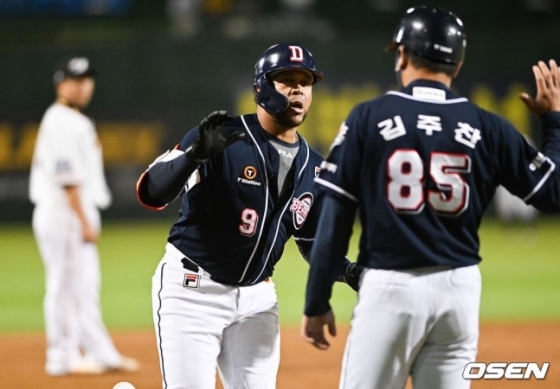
(72, 308)
(197, 329)
(422, 323)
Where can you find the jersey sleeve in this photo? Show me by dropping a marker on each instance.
(545, 196)
(67, 144)
(340, 173)
(167, 176)
(526, 172)
(305, 236)
(328, 259)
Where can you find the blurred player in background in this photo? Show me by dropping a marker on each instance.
(510, 208)
(246, 186)
(422, 164)
(68, 188)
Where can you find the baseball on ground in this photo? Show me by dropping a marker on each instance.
(124, 385)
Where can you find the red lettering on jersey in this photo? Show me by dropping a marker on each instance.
(301, 207)
(296, 54)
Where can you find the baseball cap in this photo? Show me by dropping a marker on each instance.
(73, 67)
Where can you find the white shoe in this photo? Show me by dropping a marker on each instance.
(88, 367)
(127, 364)
(84, 366)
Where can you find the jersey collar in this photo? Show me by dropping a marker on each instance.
(429, 90)
(262, 138)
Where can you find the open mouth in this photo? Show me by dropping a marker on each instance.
(298, 105)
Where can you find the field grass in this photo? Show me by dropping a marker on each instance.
(521, 269)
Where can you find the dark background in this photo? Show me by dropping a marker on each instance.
(163, 65)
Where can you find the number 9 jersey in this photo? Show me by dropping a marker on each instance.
(428, 162)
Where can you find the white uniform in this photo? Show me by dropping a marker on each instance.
(67, 153)
(425, 319)
(234, 328)
(510, 208)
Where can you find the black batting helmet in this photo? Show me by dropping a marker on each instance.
(433, 33)
(283, 56)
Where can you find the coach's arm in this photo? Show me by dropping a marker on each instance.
(348, 272)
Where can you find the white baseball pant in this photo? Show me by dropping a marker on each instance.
(422, 323)
(72, 308)
(213, 325)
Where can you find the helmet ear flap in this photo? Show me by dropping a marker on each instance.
(269, 98)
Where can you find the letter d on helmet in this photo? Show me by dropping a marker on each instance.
(283, 56)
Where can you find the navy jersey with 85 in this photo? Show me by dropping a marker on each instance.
(428, 161)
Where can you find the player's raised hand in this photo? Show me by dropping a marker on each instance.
(210, 140)
(548, 89)
(312, 330)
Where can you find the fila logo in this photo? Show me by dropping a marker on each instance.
(191, 280)
(286, 154)
(296, 54)
(317, 170)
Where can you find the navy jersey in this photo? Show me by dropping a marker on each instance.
(233, 220)
(423, 165)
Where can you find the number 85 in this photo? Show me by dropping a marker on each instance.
(405, 188)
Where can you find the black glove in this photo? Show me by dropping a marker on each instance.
(352, 275)
(210, 140)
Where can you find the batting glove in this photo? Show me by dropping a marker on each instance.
(210, 139)
(352, 275)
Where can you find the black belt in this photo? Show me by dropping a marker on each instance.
(190, 265)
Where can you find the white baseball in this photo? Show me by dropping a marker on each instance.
(124, 385)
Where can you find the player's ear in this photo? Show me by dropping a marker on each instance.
(458, 69)
(402, 59)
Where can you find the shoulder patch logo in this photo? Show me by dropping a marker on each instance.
(250, 172)
(317, 171)
(340, 136)
(300, 208)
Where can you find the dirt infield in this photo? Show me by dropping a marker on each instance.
(302, 367)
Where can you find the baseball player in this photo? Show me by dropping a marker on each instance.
(511, 209)
(422, 165)
(68, 188)
(246, 186)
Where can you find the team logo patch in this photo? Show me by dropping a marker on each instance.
(317, 171)
(191, 280)
(300, 208)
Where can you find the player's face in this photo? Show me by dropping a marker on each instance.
(297, 86)
(85, 87)
(77, 91)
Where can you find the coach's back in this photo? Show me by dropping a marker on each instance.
(424, 164)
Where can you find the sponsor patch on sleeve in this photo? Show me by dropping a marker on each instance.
(317, 171)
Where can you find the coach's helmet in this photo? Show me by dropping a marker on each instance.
(283, 56)
(73, 67)
(433, 33)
